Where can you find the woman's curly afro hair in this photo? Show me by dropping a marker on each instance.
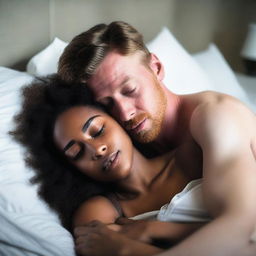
(62, 186)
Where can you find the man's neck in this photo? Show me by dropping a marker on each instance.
(172, 128)
(171, 131)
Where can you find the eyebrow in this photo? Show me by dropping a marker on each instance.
(88, 122)
(126, 79)
(122, 83)
(84, 129)
(70, 144)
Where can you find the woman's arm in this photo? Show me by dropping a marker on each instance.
(96, 208)
(92, 237)
(96, 239)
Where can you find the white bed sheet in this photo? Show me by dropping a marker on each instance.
(28, 226)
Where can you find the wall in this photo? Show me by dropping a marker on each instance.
(224, 22)
(27, 26)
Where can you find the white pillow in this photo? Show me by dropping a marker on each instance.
(248, 83)
(222, 76)
(46, 61)
(182, 73)
(28, 226)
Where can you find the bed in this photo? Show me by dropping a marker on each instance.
(28, 226)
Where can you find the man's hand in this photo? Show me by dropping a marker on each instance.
(96, 239)
(149, 231)
(134, 229)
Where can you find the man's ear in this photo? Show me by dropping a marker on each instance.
(157, 67)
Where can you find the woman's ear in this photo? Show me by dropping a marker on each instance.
(156, 66)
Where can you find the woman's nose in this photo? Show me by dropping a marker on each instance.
(99, 152)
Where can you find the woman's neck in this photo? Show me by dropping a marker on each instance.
(144, 172)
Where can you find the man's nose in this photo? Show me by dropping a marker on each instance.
(125, 110)
(98, 151)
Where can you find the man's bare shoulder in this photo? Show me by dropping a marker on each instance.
(219, 116)
(209, 97)
(209, 102)
(225, 130)
(214, 109)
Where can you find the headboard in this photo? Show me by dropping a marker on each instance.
(28, 26)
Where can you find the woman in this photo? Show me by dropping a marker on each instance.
(86, 164)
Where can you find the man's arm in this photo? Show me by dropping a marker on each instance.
(226, 132)
(96, 239)
(150, 231)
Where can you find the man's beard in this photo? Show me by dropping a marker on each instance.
(147, 136)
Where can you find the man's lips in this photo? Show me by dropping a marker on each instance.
(110, 160)
(138, 127)
(136, 124)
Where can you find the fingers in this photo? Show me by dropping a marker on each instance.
(114, 227)
(90, 236)
(82, 230)
(122, 221)
(86, 238)
(83, 248)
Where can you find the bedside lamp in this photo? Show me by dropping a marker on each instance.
(249, 50)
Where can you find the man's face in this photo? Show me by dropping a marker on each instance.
(132, 93)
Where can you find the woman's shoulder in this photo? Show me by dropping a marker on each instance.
(96, 208)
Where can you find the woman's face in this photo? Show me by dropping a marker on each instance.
(95, 143)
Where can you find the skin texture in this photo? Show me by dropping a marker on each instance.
(112, 243)
(214, 132)
(88, 138)
(121, 92)
(96, 143)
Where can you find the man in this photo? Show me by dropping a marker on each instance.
(216, 132)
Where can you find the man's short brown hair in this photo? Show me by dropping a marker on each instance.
(86, 51)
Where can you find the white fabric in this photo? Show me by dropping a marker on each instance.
(186, 206)
(28, 226)
(222, 76)
(183, 75)
(46, 61)
(248, 83)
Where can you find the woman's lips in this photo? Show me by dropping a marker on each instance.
(110, 161)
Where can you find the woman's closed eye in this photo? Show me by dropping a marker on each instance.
(75, 151)
(98, 132)
(78, 155)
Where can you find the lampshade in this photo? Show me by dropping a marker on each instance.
(249, 48)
